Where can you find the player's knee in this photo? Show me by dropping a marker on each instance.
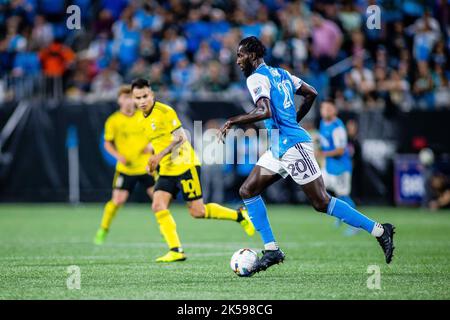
(158, 206)
(197, 212)
(245, 192)
(321, 204)
(119, 200)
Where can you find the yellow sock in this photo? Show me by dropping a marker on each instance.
(168, 228)
(216, 211)
(108, 214)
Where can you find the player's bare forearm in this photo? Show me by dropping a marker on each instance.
(260, 112)
(334, 153)
(310, 94)
(111, 149)
(175, 143)
(179, 138)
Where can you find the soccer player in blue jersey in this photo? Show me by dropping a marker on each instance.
(272, 90)
(337, 174)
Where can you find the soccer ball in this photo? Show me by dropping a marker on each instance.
(243, 262)
(426, 156)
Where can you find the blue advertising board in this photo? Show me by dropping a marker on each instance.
(408, 180)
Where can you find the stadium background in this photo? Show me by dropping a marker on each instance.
(57, 86)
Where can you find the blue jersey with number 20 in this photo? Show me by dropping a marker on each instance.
(279, 86)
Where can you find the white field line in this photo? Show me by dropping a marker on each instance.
(151, 244)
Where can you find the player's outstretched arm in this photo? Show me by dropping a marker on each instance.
(260, 112)
(310, 94)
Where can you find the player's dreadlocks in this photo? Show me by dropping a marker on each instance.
(253, 44)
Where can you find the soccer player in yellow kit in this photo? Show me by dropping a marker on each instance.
(125, 142)
(178, 170)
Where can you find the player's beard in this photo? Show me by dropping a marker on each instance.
(248, 70)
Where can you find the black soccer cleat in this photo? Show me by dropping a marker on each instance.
(386, 241)
(269, 258)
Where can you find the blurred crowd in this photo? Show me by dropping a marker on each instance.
(186, 47)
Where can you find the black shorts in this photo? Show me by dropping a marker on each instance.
(188, 183)
(125, 182)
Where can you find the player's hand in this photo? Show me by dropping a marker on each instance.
(318, 154)
(153, 163)
(122, 159)
(223, 131)
(148, 149)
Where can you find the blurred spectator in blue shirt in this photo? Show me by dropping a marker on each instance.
(204, 54)
(423, 86)
(26, 63)
(173, 44)
(26, 9)
(146, 18)
(441, 86)
(195, 30)
(15, 41)
(126, 39)
(184, 76)
(101, 50)
(424, 41)
(219, 27)
(250, 27)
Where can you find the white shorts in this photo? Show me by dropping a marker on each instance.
(341, 184)
(298, 162)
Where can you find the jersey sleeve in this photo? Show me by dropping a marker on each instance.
(296, 80)
(259, 86)
(109, 130)
(339, 137)
(173, 122)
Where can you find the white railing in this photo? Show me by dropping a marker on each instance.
(14, 88)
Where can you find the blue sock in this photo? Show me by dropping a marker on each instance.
(347, 214)
(350, 230)
(348, 200)
(258, 215)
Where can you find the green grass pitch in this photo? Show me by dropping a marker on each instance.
(39, 242)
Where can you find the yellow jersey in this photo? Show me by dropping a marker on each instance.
(126, 133)
(158, 127)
